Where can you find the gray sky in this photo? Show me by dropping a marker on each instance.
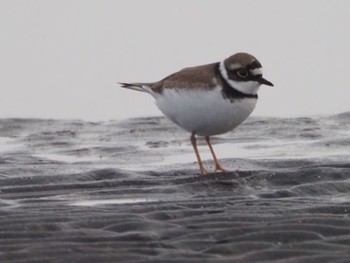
(62, 59)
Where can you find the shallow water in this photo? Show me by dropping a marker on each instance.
(130, 191)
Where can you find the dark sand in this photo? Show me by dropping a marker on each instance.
(73, 191)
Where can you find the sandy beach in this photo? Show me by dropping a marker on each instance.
(130, 191)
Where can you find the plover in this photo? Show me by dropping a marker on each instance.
(210, 99)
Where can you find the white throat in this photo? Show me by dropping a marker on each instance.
(246, 87)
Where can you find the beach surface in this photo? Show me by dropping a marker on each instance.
(131, 191)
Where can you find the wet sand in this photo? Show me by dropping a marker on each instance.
(130, 191)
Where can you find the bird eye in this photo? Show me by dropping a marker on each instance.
(242, 73)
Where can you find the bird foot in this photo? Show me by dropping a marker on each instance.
(203, 170)
(219, 168)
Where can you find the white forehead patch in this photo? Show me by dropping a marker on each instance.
(234, 66)
(256, 71)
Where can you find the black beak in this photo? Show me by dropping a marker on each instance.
(265, 82)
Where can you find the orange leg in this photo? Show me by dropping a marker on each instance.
(194, 144)
(218, 166)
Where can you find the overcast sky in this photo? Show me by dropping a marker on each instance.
(62, 59)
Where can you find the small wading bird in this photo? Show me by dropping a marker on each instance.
(210, 99)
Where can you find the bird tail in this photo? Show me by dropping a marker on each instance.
(143, 87)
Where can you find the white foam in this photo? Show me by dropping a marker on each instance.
(66, 158)
(7, 144)
(113, 201)
(9, 204)
(255, 150)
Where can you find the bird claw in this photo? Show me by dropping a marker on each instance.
(220, 169)
(203, 170)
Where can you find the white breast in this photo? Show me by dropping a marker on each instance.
(202, 111)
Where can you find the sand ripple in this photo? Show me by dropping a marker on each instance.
(130, 192)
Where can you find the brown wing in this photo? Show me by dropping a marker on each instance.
(189, 78)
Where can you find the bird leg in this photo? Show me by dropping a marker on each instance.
(218, 166)
(194, 144)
